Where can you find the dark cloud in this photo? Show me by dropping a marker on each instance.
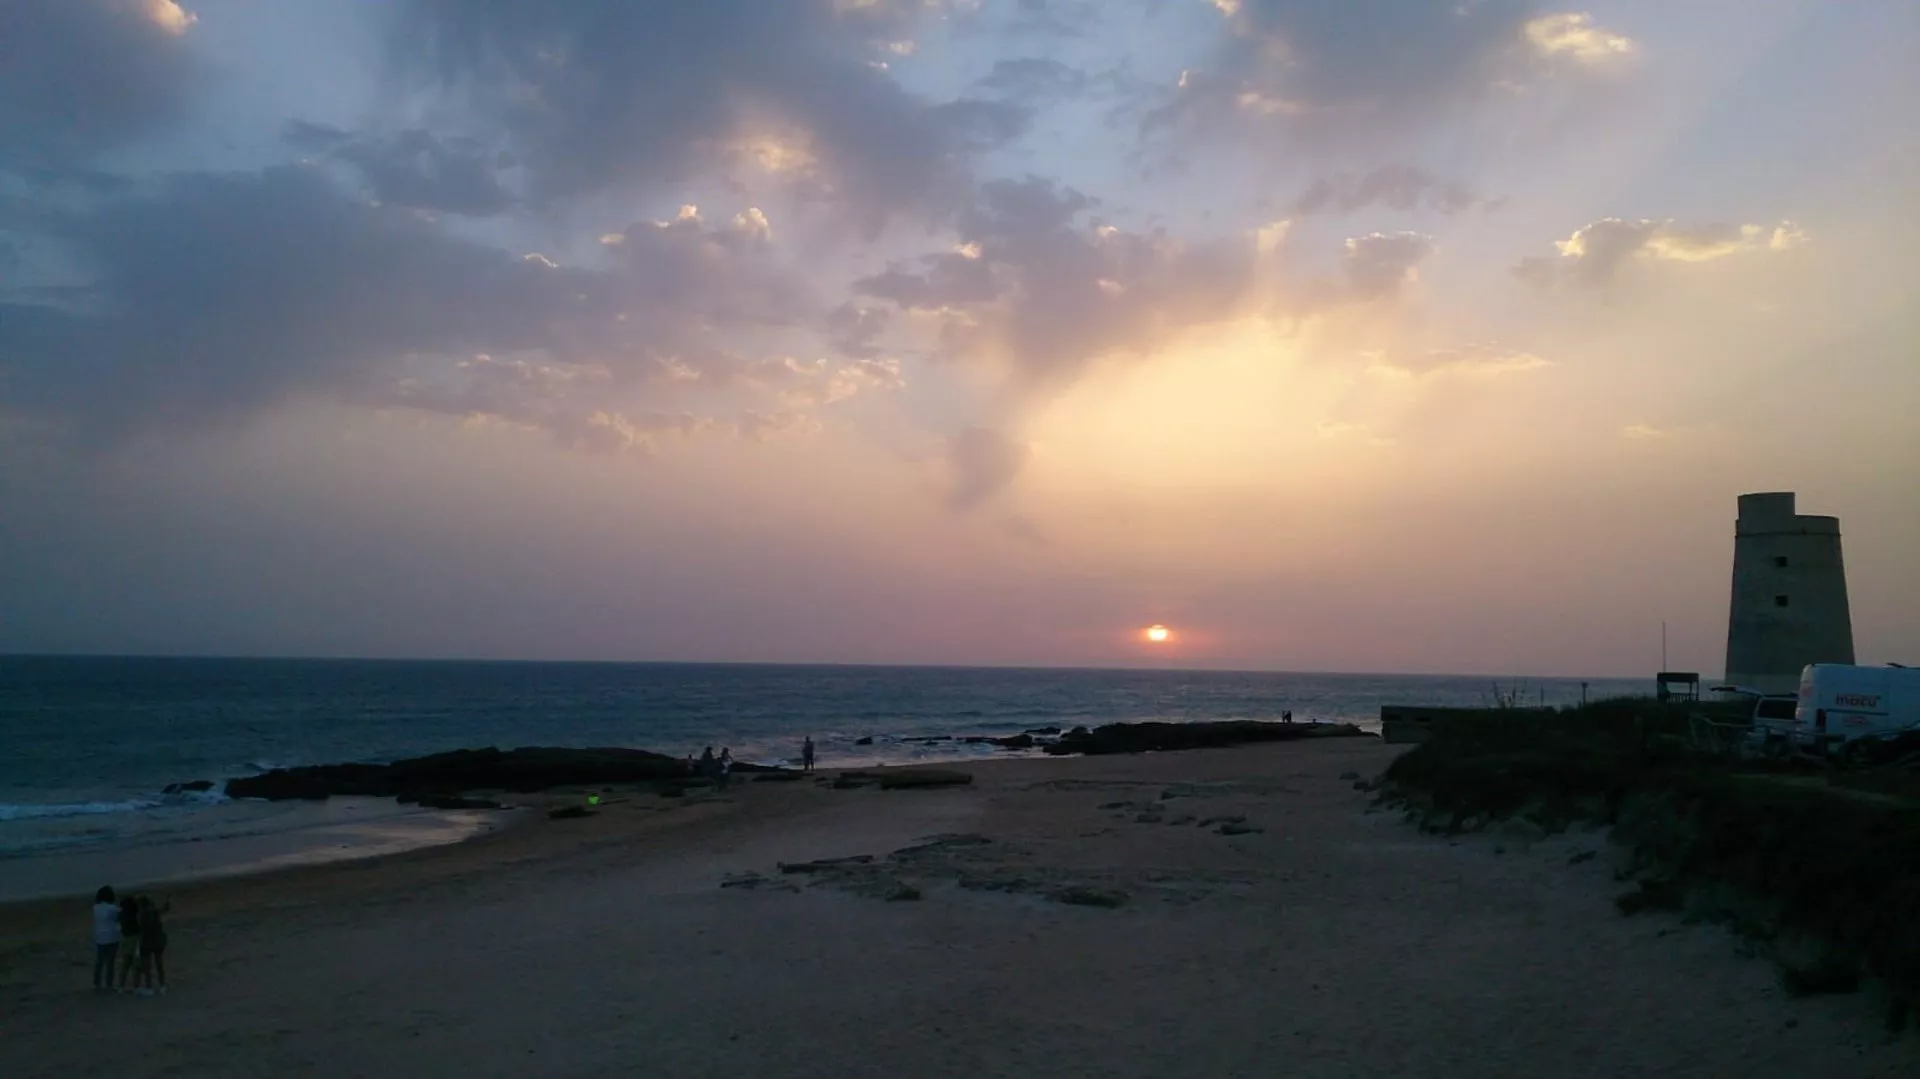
(1406, 188)
(599, 93)
(1379, 264)
(210, 296)
(980, 462)
(1332, 54)
(1037, 285)
(948, 279)
(414, 168)
(853, 329)
(81, 76)
(1347, 69)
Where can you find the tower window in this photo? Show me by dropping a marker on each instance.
(1779, 601)
(1780, 560)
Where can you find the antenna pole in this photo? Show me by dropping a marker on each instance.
(1663, 646)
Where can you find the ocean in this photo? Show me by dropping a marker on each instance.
(88, 743)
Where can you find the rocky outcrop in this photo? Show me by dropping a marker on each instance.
(1161, 737)
(447, 774)
(914, 778)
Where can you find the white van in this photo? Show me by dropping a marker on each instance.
(1841, 703)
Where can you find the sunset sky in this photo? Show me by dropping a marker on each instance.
(1367, 335)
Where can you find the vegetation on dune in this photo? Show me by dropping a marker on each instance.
(1817, 862)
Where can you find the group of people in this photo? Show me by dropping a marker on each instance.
(128, 933)
(720, 768)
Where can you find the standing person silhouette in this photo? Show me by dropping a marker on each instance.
(725, 767)
(129, 939)
(806, 754)
(153, 946)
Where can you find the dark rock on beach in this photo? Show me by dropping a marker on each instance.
(915, 778)
(867, 740)
(1146, 737)
(519, 770)
(825, 864)
(1082, 896)
(454, 801)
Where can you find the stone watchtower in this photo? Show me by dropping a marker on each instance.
(1789, 595)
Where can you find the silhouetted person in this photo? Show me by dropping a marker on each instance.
(709, 767)
(153, 946)
(129, 939)
(725, 765)
(1286, 717)
(806, 754)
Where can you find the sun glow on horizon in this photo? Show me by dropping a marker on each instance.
(1157, 634)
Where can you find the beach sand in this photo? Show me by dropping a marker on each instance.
(1330, 942)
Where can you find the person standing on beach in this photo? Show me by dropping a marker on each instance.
(153, 945)
(129, 939)
(106, 938)
(708, 766)
(724, 767)
(806, 754)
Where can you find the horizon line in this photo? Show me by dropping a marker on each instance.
(289, 658)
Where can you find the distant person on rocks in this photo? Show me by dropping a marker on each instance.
(153, 946)
(725, 765)
(806, 754)
(106, 938)
(1286, 717)
(129, 939)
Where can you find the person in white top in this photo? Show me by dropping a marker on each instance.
(106, 939)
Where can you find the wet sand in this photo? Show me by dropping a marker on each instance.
(1323, 940)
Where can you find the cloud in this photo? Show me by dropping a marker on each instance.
(1478, 361)
(414, 168)
(1406, 188)
(980, 462)
(82, 76)
(1596, 253)
(212, 296)
(1378, 265)
(1350, 68)
(1039, 286)
(599, 94)
(1575, 36)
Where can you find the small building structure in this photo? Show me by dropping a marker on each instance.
(1677, 687)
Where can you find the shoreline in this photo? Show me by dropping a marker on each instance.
(1314, 931)
(240, 839)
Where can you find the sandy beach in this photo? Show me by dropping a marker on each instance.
(1267, 924)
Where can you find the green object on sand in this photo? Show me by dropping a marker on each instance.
(593, 799)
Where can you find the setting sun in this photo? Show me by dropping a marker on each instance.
(1158, 634)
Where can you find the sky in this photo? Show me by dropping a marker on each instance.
(1334, 335)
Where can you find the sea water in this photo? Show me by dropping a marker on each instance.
(87, 744)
